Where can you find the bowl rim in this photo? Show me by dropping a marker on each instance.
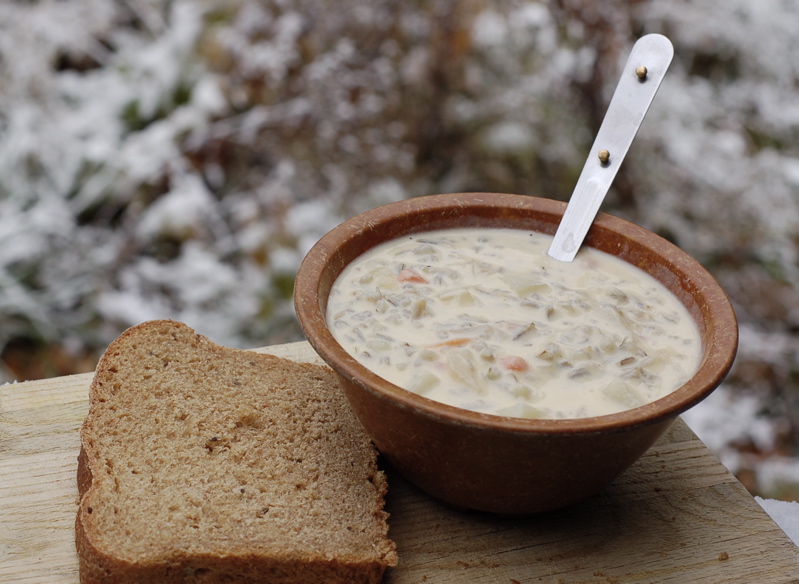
(718, 322)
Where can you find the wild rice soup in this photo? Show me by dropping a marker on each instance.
(484, 319)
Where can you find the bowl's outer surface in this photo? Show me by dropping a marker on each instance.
(493, 463)
(494, 470)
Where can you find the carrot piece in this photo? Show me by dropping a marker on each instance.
(452, 343)
(514, 363)
(408, 275)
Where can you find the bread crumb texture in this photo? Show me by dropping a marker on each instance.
(201, 463)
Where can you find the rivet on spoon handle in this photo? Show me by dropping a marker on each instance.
(650, 58)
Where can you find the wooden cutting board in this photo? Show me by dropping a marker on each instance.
(676, 516)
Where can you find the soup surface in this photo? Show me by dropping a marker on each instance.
(484, 319)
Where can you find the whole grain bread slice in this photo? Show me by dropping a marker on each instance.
(201, 463)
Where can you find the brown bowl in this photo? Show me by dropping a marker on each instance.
(495, 463)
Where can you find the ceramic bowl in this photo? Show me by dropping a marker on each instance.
(494, 463)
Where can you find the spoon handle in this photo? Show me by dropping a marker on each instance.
(640, 80)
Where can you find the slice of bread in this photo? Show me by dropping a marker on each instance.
(201, 463)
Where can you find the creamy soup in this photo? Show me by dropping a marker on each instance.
(484, 319)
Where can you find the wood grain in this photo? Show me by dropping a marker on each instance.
(676, 516)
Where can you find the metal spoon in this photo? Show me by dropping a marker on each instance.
(640, 80)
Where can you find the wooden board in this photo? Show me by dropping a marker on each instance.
(676, 516)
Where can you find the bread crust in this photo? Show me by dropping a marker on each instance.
(236, 562)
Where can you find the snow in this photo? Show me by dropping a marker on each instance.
(727, 418)
(187, 204)
(785, 514)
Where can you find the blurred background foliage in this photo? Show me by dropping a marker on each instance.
(177, 158)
